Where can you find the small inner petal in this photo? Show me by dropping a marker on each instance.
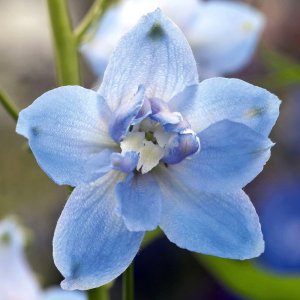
(163, 137)
(133, 142)
(150, 155)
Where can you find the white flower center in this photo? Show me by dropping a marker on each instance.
(149, 140)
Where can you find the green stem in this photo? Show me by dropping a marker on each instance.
(64, 42)
(9, 105)
(94, 14)
(101, 293)
(128, 283)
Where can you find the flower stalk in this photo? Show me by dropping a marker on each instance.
(101, 293)
(128, 283)
(67, 64)
(93, 15)
(8, 105)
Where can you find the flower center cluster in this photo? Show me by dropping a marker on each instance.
(160, 138)
(148, 139)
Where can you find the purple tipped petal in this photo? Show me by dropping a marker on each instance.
(180, 147)
(126, 162)
(125, 114)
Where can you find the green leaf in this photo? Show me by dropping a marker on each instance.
(251, 281)
(283, 71)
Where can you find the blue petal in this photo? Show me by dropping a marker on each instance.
(91, 245)
(217, 99)
(139, 202)
(125, 162)
(155, 54)
(231, 156)
(224, 36)
(224, 225)
(181, 146)
(125, 114)
(66, 127)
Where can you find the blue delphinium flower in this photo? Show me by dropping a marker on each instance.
(152, 147)
(223, 34)
(279, 213)
(17, 279)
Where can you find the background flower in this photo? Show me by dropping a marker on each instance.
(17, 279)
(223, 34)
(279, 212)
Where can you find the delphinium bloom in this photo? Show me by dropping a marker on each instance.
(17, 279)
(280, 217)
(152, 147)
(223, 34)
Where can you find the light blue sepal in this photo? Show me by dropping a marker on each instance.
(217, 99)
(153, 53)
(231, 156)
(66, 127)
(91, 244)
(220, 224)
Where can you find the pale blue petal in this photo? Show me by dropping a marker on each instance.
(231, 156)
(92, 245)
(125, 162)
(125, 114)
(179, 147)
(224, 36)
(139, 202)
(224, 225)
(56, 293)
(155, 54)
(217, 99)
(66, 127)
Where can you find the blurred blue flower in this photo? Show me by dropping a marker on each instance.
(17, 279)
(152, 147)
(279, 213)
(223, 34)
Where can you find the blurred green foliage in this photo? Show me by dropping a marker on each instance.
(250, 281)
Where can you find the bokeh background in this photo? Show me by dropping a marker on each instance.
(163, 271)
